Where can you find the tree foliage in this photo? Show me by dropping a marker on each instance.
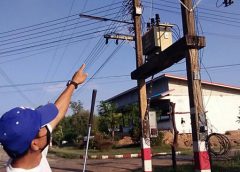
(72, 128)
(109, 118)
(133, 111)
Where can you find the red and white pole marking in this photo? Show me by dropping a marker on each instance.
(201, 157)
(146, 155)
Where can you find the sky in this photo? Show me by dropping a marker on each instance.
(43, 42)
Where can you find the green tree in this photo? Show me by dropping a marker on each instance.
(76, 107)
(133, 111)
(58, 135)
(72, 128)
(109, 118)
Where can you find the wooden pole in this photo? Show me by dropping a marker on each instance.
(197, 112)
(145, 144)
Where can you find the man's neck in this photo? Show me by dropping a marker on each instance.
(28, 161)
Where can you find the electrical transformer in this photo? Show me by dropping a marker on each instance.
(157, 39)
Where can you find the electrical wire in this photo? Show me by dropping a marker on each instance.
(202, 8)
(207, 14)
(46, 32)
(117, 76)
(7, 78)
(52, 42)
(111, 76)
(63, 18)
(66, 37)
(205, 18)
(217, 4)
(50, 47)
(98, 49)
(101, 67)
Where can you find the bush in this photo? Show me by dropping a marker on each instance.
(105, 145)
(102, 142)
(135, 134)
(158, 140)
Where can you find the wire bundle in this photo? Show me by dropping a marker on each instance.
(223, 144)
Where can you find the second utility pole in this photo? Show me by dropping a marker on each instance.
(145, 140)
(197, 112)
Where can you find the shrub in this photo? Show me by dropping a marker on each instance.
(102, 142)
(135, 134)
(158, 140)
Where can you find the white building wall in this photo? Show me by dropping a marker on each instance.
(222, 109)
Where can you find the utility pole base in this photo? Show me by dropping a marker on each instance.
(201, 157)
(146, 155)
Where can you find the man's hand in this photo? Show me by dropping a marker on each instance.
(79, 77)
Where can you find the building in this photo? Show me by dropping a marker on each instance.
(221, 103)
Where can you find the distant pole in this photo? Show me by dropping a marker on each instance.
(94, 93)
(145, 137)
(198, 117)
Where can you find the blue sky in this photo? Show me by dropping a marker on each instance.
(34, 69)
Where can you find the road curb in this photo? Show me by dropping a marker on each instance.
(121, 156)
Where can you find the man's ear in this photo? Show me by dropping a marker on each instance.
(35, 145)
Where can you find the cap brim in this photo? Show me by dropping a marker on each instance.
(47, 112)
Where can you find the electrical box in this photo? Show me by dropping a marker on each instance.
(153, 124)
(157, 39)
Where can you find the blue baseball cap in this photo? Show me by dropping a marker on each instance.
(19, 126)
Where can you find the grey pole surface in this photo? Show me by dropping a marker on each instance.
(94, 93)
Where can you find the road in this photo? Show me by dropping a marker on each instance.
(107, 165)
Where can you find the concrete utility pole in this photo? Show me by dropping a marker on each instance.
(145, 137)
(197, 112)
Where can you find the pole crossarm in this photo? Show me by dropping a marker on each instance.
(119, 37)
(103, 18)
(168, 57)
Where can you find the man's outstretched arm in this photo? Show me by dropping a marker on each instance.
(63, 101)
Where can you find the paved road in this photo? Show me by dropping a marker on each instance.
(108, 165)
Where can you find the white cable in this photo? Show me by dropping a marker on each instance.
(185, 6)
(196, 4)
(190, 10)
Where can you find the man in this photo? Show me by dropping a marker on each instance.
(25, 133)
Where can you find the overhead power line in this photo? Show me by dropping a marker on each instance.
(103, 19)
(53, 38)
(63, 18)
(221, 15)
(110, 76)
(164, 2)
(50, 47)
(98, 50)
(219, 20)
(52, 42)
(101, 67)
(6, 77)
(48, 32)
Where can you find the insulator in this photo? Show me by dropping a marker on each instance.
(148, 26)
(157, 19)
(152, 22)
